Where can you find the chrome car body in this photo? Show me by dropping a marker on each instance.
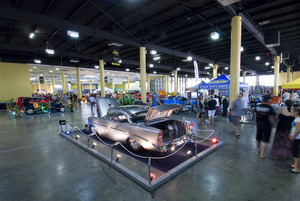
(140, 126)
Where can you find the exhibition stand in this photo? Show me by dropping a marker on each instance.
(149, 169)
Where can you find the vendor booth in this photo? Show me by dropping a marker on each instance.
(222, 85)
(292, 85)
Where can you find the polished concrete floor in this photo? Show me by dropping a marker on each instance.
(38, 164)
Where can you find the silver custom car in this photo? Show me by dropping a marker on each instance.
(140, 126)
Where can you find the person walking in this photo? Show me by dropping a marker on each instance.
(92, 101)
(245, 106)
(199, 108)
(295, 138)
(225, 106)
(282, 146)
(211, 109)
(217, 105)
(264, 123)
(237, 112)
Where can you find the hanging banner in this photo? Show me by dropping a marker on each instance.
(115, 56)
(196, 70)
(41, 80)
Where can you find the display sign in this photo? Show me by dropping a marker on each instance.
(117, 80)
(196, 70)
(106, 80)
(41, 80)
(116, 60)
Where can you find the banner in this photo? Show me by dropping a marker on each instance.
(41, 80)
(115, 55)
(196, 70)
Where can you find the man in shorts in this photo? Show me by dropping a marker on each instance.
(211, 109)
(264, 123)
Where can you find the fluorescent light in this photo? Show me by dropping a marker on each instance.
(38, 61)
(257, 58)
(151, 65)
(211, 64)
(41, 74)
(207, 72)
(267, 63)
(207, 67)
(281, 71)
(272, 66)
(51, 71)
(73, 60)
(32, 78)
(219, 74)
(115, 44)
(56, 68)
(34, 67)
(73, 34)
(242, 49)
(31, 35)
(156, 58)
(178, 68)
(153, 52)
(50, 51)
(189, 58)
(154, 72)
(89, 76)
(186, 75)
(96, 66)
(173, 74)
(30, 70)
(226, 68)
(214, 35)
(127, 69)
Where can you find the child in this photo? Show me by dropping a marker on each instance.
(295, 138)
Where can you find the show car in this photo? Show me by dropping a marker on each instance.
(140, 127)
(183, 101)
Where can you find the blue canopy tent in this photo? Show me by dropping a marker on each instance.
(222, 82)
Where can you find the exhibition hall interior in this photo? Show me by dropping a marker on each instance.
(167, 100)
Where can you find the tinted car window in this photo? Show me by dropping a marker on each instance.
(138, 117)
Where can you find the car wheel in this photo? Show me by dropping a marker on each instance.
(250, 116)
(29, 111)
(133, 144)
(194, 109)
(176, 111)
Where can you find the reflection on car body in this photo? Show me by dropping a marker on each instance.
(139, 126)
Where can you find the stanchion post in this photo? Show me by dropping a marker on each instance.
(149, 170)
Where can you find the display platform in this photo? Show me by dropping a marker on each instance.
(149, 169)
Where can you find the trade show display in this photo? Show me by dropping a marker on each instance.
(222, 82)
(143, 143)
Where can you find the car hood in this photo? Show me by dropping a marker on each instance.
(104, 104)
(161, 111)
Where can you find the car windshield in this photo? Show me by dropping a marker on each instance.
(138, 117)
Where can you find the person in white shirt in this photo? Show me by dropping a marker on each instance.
(285, 96)
(245, 106)
(295, 138)
(93, 102)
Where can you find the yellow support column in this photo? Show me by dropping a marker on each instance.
(288, 74)
(276, 75)
(244, 76)
(143, 73)
(128, 82)
(235, 57)
(53, 85)
(215, 71)
(175, 82)
(91, 88)
(257, 80)
(167, 90)
(102, 81)
(148, 82)
(63, 82)
(79, 88)
(40, 86)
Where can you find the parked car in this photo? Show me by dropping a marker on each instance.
(139, 126)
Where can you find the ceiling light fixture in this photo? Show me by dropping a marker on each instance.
(272, 66)
(73, 34)
(50, 51)
(41, 74)
(51, 71)
(56, 68)
(186, 75)
(96, 66)
(154, 72)
(178, 68)
(153, 52)
(34, 67)
(31, 35)
(242, 49)
(207, 73)
(156, 58)
(74, 60)
(189, 58)
(207, 67)
(211, 64)
(115, 44)
(38, 61)
(30, 70)
(267, 63)
(127, 69)
(257, 58)
(215, 35)
(226, 68)
(151, 65)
